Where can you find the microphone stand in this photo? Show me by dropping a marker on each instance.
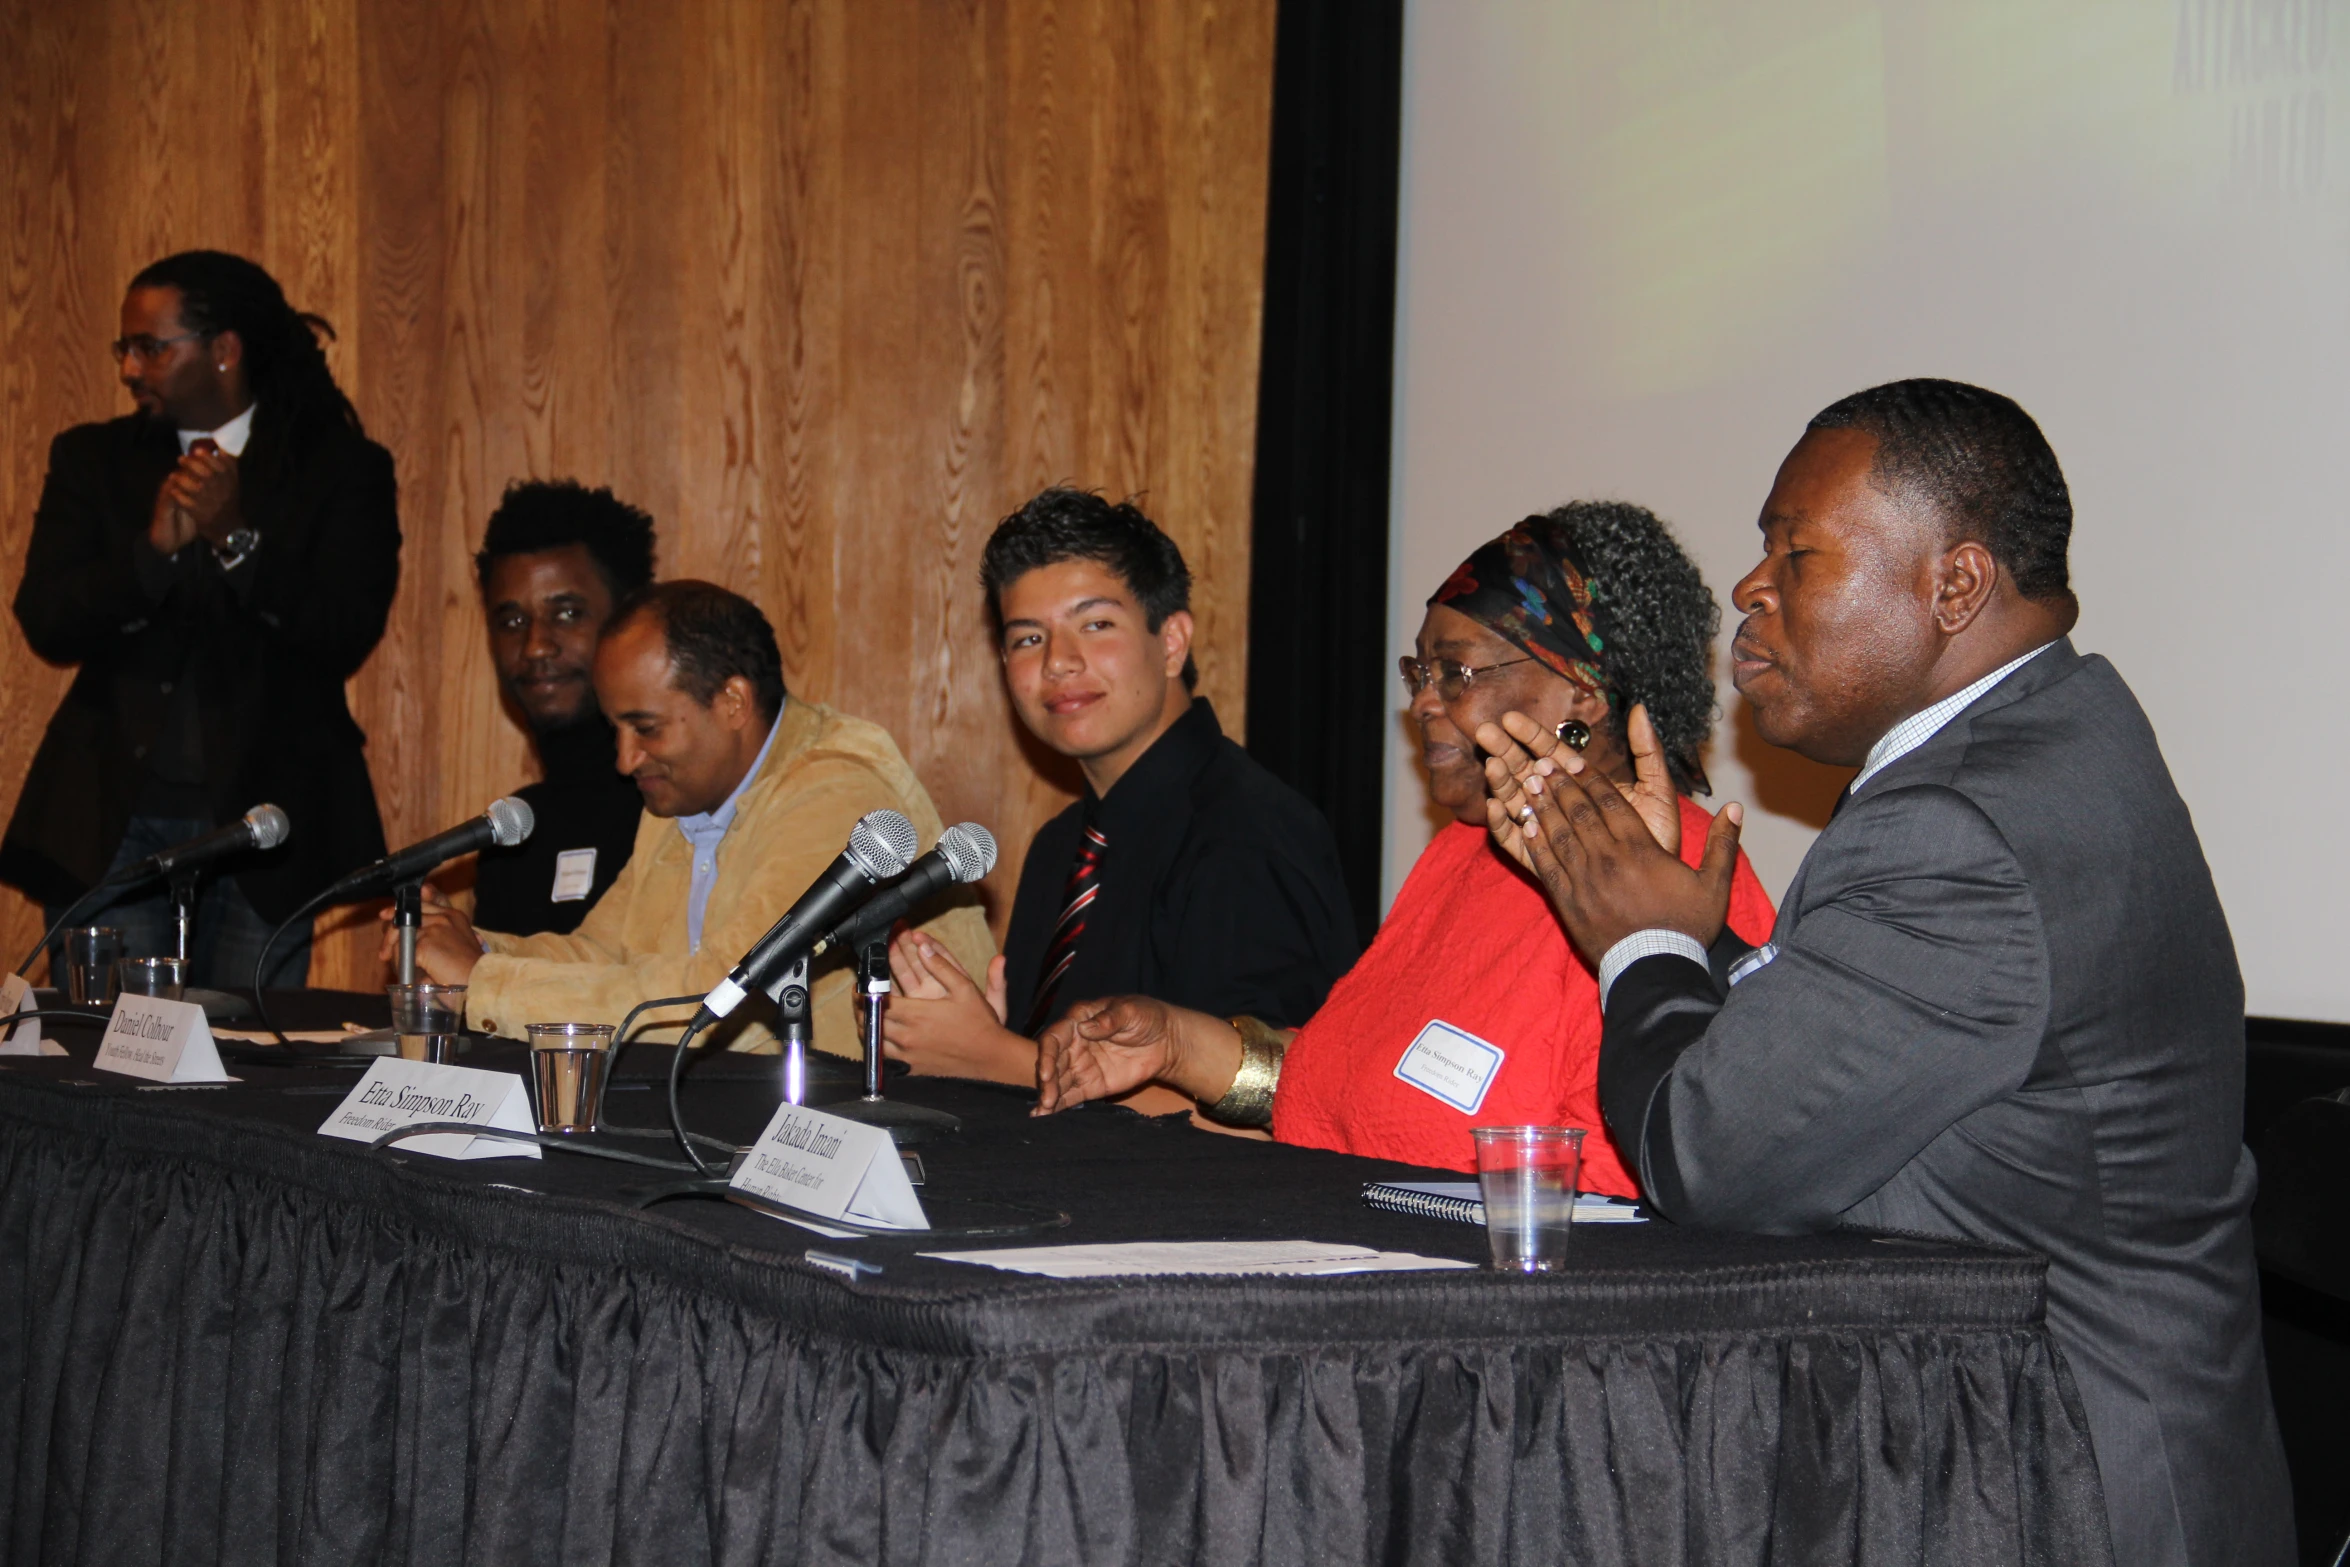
(794, 1023)
(183, 906)
(905, 1123)
(408, 920)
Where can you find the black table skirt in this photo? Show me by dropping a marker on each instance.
(225, 1339)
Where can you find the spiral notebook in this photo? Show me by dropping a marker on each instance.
(1459, 1201)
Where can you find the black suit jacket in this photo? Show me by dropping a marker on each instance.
(267, 648)
(2005, 1007)
(1220, 889)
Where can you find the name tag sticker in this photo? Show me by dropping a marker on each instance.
(575, 873)
(397, 1093)
(1452, 1065)
(830, 1167)
(24, 1039)
(160, 1040)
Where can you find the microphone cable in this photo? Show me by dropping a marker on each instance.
(685, 1043)
(261, 963)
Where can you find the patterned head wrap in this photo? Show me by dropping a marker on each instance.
(1529, 587)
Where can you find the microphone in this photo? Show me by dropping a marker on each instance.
(965, 853)
(506, 823)
(263, 827)
(880, 846)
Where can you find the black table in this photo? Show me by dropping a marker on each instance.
(225, 1338)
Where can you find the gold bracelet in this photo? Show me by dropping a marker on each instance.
(1249, 1101)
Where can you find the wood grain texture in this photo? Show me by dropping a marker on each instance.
(826, 285)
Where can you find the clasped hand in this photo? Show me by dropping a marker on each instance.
(198, 500)
(942, 1021)
(1607, 854)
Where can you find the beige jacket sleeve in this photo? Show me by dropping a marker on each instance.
(824, 772)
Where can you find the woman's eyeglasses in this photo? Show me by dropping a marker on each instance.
(1451, 676)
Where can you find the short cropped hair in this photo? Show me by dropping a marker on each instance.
(1061, 524)
(553, 514)
(712, 636)
(1981, 462)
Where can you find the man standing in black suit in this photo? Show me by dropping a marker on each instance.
(218, 564)
(554, 561)
(2000, 1003)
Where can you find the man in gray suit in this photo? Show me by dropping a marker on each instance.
(2000, 1002)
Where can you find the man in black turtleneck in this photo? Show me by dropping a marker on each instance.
(554, 561)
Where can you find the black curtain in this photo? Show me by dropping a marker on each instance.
(1319, 680)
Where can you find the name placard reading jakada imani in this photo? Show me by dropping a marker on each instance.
(398, 1093)
(161, 1040)
(831, 1167)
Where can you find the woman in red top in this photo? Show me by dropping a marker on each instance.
(1470, 1008)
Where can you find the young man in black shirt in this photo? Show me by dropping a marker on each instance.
(554, 560)
(1186, 870)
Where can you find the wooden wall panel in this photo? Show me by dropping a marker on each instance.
(826, 285)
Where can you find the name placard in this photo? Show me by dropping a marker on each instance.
(25, 1039)
(397, 1093)
(832, 1167)
(160, 1040)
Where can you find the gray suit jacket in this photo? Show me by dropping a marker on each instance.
(2005, 1007)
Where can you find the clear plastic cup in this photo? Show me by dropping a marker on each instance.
(90, 952)
(429, 1019)
(1527, 1175)
(569, 1065)
(164, 977)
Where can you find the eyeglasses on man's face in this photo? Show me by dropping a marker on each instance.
(146, 348)
(1451, 676)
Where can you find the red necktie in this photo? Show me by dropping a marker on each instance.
(1085, 882)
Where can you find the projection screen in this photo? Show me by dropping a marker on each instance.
(1643, 240)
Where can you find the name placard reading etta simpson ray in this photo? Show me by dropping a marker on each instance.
(161, 1040)
(398, 1093)
(833, 1167)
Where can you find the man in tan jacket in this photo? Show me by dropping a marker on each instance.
(749, 795)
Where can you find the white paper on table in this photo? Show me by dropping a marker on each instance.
(1130, 1258)
(25, 1039)
(299, 1036)
(1590, 1207)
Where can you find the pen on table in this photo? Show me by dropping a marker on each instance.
(837, 1262)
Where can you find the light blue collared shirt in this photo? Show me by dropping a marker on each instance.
(704, 833)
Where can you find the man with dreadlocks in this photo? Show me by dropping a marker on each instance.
(217, 563)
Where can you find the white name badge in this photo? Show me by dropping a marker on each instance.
(397, 1093)
(831, 1167)
(163, 1041)
(1451, 1064)
(25, 1039)
(575, 874)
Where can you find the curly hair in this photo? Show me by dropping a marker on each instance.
(1657, 621)
(285, 366)
(1980, 461)
(548, 514)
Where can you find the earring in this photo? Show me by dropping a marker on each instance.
(1574, 734)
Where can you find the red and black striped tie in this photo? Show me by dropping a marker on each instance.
(1085, 882)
